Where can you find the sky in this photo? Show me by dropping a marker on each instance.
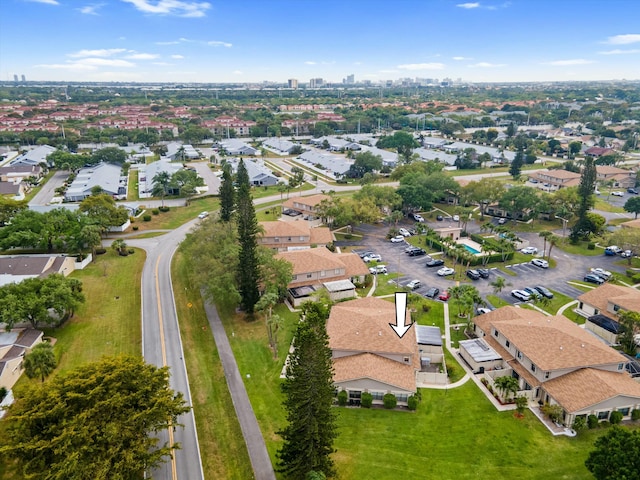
(275, 40)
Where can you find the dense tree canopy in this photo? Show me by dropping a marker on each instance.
(419, 191)
(113, 155)
(365, 162)
(616, 455)
(96, 421)
(632, 205)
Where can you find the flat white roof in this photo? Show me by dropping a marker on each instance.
(479, 350)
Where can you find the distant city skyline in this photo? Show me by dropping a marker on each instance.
(252, 41)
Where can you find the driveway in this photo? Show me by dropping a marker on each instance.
(210, 179)
(47, 192)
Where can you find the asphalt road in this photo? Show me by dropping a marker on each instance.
(47, 192)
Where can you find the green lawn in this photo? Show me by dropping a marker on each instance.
(383, 286)
(579, 249)
(496, 301)
(132, 193)
(178, 216)
(603, 205)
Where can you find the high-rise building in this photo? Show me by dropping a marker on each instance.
(351, 79)
(24, 79)
(316, 82)
(15, 78)
(293, 83)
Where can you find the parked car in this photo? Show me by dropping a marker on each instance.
(435, 262)
(444, 296)
(404, 232)
(473, 274)
(626, 254)
(417, 217)
(632, 190)
(484, 272)
(521, 295)
(366, 254)
(397, 239)
(432, 292)
(439, 218)
(203, 215)
(612, 250)
(378, 269)
(529, 250)
(413, 284)
(416, 252)
(601, 272)
(502, 221)
(532, 292)
(482, 310)
(544, 291)
(593, 278)
(617, 194)
(444, 271)
(456, 218)
(374, 257)
(538, 262)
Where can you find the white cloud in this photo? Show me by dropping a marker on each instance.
(217, 43)
(421, 66)
(172, 42)
(461, 58)
(624, 39)
(105, 52)
(104, 62)
(486, 65)
(177, 57)
(48, 2)
(237, 72)
(171, 7)
(91, 9)
(142, 56)
(67, 66)
(617, 51)
(162, 64)
(468, 5)
(308, 62)
(389, 71)
(573, 61)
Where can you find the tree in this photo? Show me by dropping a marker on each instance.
(248, 270)
(616, 455)
(160, 185)
(545, 234)
(511, 130)
(119, 246)
(9, 208)
(308, 390)
(227, 194)
(632, 205)
(103, 211)
(520, 201)
(366, 162)
(627, 239)
(403, 142)
(516, 164)
(553, 240)
(507, 385)
(484, 192)
(574, 148)
(630, 323)
(98, 421)
(40, 362)
(113, 155)
(582, 228)
(498, 284)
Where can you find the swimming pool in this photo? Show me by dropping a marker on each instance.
(471, 249)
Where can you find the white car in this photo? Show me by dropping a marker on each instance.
(413, 284)
(456, 218)
(203, 215)
(404, 232)
(374, 257)
(601, 272)
(529, 250)
(378, 269)
(626, 254)
(444, 271)
(538, 262)
(418, 218)
(502, 221)
(617, 194)
(521, 295)
(397, 239)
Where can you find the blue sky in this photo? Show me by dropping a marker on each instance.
(256, 40)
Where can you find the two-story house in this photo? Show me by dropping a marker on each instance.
(554, 179)
(367, 354)
(620, 177)
(284, 236)
(14, 345)
(557, 362)
(307, 206)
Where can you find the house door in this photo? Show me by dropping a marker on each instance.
(354, 397)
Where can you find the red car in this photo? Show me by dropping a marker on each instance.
(444, 296)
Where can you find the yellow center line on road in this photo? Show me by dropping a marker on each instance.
(174, 470)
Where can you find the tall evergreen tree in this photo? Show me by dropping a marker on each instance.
(248, 268)
(516, 164)
(584, 226)
(227, 194)
(308, 389)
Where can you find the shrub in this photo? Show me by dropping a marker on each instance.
(342, 398)
(164, 209)
(3, 393)
(146, 218)
(366, 400)
(554, 412)
(155, 211)
(123, 253)
(135, 227)
(635, 415)
(131, 251)
(389, 400)
(591, 246)
(426, 307)
(101, 251)
(580, 423)
(412, 402)
(592, 421)
(636, 278)
(616, 417)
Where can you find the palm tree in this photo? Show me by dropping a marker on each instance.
(545, 234)
(553, 240)
(507, 385)
(119, 246)
(40, 362)
(160, 187)
(498, 284)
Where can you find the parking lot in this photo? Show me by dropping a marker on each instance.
(569, 267)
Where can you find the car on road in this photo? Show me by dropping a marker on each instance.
(203, 215)
(626, 254)
(484, 272)
(612, 250)
(502, 221)
(482, 310)
(473, 274)
(374, 257)
(417, 217)
(529, 250)
(538, 262)
(456, 218)
(544, 291)
(397, 239)
(404, 232)
(378, 269)
(521, 295)
(617, 194)
(416, 252)
(601, 272)
(533, 292)
(440, 218)
(413, 284)
(444, 296)
(444, 271)
(632, 190)
(432, 292)
(593, 278)
(435, 262)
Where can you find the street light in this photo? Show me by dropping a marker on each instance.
(564, 224)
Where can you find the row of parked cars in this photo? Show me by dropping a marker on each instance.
(613, 250)
(597, 276)
(528, 293)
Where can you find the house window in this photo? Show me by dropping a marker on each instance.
(580, 305)
(337, 271)
(533, 367)
(295, 277)
(289, 239)
(603, 415)
(496, 333)
(620, 366)
(276, 239)
(377, 395)
(624, 411)
(301, 238)
(322, 273)
(546, 375)
(309, 275)
(616, 308)
(507, 344)
(402, 397)
(406, 359)
(519, 354)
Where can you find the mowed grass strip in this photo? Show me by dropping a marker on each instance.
(222, 448)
